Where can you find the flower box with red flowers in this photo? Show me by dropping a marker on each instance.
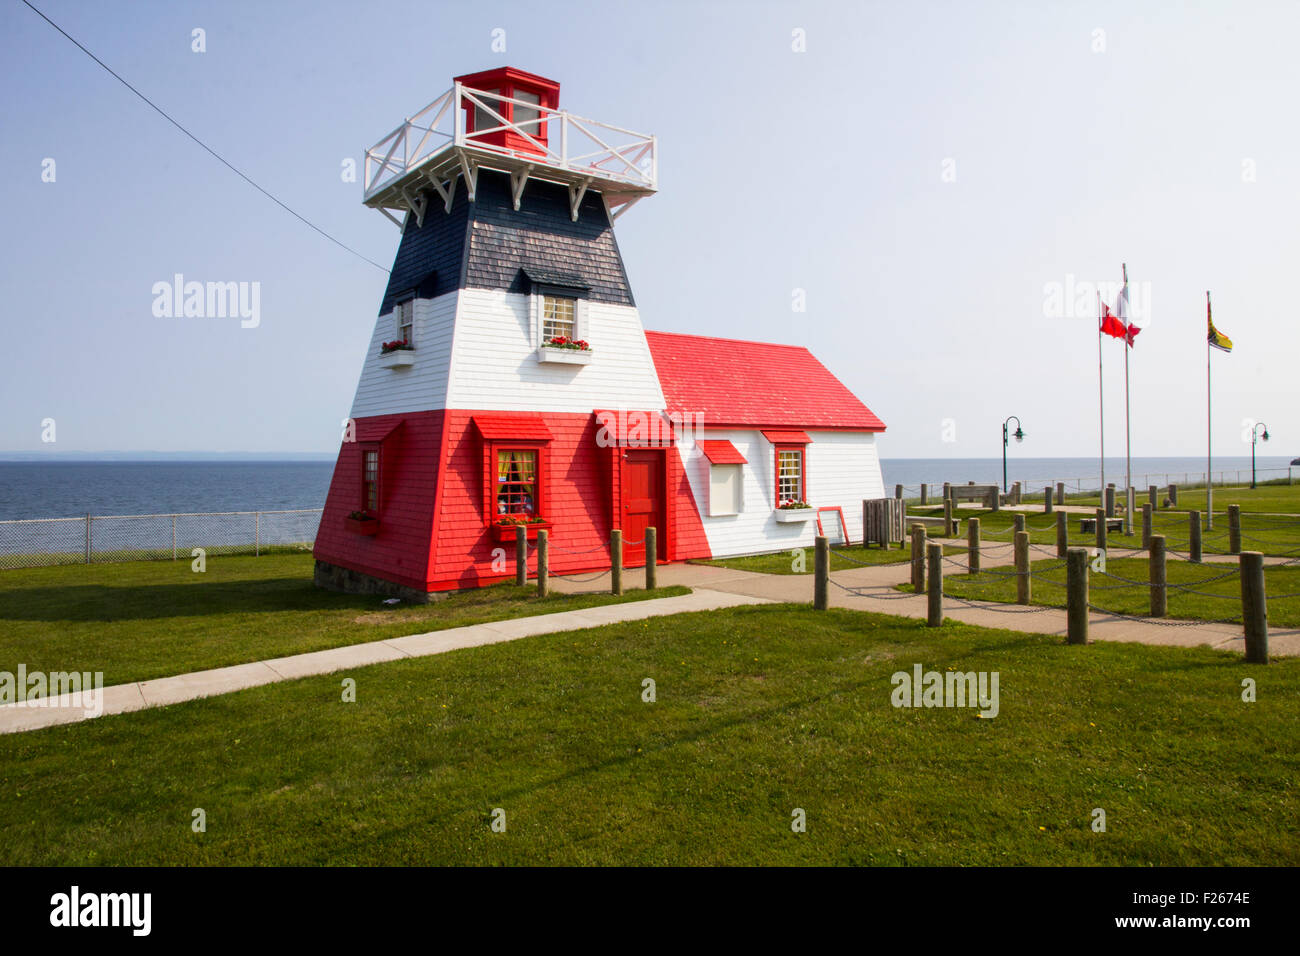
(790, 512)
(397, 354)
(565, 351)
(359, 522)
(503, 529)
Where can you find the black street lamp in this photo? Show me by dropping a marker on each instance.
(1253, 432)
(1020, 436)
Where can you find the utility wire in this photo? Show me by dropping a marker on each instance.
(205, 146)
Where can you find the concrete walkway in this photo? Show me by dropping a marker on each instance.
(121, 698)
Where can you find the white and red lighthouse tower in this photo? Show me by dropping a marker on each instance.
(516, 325)
(509, 380)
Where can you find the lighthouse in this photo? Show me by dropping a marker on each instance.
(509, 380)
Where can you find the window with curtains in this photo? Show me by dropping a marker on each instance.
(789, 475)
(370, 480)
(517, 481)
(558, 317)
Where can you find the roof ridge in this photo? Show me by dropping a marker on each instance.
(720, 338)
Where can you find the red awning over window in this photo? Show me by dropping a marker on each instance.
(787, 437)
(506, 426)
(719, 451)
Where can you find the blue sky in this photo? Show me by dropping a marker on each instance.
(1172, 147)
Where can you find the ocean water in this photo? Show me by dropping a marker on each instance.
(74, 488)
(67, 489)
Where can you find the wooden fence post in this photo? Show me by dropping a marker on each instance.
(1022, 567)
(616, 562)
(1152, 495)
(972, 545)
(1062, 533)
(1254, 607)
(1159, 579)
(652, 559)
(1194, 542)
(521, 555)
(925, 491)
(1109, 500)
(1146, 525)
(1173, 496)
(947, 517)
(822, 574)
(1234, 529)
(543, 562)
(1020, 523)
(1060, 492)
(898, 491)
(1047, 500)
(1101, 529)
(918, 558)
(1076, 596)
(934, 602)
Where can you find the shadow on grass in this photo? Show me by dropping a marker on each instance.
(94, 602)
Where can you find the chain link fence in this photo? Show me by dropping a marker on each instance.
(94, 539)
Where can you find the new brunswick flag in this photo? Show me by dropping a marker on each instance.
(1215, 337)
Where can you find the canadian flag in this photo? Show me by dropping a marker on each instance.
(1127, 330)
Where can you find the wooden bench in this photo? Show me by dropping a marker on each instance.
(1089, 525)
(933, 521)
(989, 495)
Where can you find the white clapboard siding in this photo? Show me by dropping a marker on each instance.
(842, 469)
(422, 386)
(495, 366)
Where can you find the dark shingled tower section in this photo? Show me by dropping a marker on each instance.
(486, 244)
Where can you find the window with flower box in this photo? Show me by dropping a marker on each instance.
(559, 317)
(370, 500)
(789, 474)
(517, 481)
(405, 314)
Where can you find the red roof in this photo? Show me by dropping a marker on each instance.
(721, 452)
(732, 382)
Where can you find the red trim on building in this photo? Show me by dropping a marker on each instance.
(719, 451)
(801, 448)
(524, 426)
(787, 437)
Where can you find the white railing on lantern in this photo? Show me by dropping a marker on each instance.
(585, 146)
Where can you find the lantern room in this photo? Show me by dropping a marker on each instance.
(521, 101)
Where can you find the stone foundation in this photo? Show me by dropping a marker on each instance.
(334, 578)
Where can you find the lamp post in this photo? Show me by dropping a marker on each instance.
(1020, 436)
(1253, 433)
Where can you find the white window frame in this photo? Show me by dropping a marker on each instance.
(404, 317)
(538, 322)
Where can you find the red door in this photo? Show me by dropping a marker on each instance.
(642, 503)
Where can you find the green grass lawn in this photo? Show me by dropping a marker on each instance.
(153, 619)
(842, 559)
(759, 711)
(1114, 594)
(1274, 496)
(1272, 535)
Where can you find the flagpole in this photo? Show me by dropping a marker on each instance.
(1101, 402)
(1209, 433)
(1128, 455)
